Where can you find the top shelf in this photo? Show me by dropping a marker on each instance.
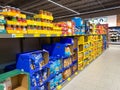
(39, 35)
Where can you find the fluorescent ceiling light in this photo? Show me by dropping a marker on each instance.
(101, 10)
(63, 7)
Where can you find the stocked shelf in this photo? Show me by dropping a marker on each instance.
(60, 64)
(46, 63)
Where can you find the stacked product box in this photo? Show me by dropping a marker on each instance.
(35, 63)
(67, 28)
(42, 23)
(67, 53)
(55, 71)
(15, 20)
(18, 23)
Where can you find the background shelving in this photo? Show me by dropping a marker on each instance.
(114, 34)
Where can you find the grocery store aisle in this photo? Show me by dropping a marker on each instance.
(101, 74)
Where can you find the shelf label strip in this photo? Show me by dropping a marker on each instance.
(36, 35)
(17, 35)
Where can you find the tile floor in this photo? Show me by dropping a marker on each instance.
(101, 74)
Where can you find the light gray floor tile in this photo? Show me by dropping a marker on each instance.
(101, 74)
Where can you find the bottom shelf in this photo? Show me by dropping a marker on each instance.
(24, 81)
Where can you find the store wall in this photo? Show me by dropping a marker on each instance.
(112, 20)
(118, 20)
(8, 50)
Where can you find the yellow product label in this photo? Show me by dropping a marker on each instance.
(65, 34)
(58, 34)
(81, 68)
(48, 35)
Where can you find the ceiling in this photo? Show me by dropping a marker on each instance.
(84, 7)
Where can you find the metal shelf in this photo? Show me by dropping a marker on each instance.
(27, 35)
(37, 35)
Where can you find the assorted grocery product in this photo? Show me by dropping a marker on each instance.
(50, 67)
(90, 48)
(2, 24)
(55, 63)
(12, 21)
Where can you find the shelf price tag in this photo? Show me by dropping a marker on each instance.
(48, 35)
(76, 73)
(17, 35)
(59, 87)
(69, 79)
(36, 35)
(81, 68)
(57, 34)
(65, 34)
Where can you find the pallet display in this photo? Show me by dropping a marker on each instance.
(46, 54)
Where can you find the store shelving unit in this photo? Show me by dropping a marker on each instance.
(114, 34)
(37, 35)
(73, 51)
(89, 47)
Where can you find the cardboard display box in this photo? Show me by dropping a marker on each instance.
(15, 80)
